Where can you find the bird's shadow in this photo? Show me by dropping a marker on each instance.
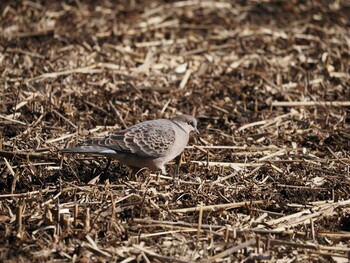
(94, 172)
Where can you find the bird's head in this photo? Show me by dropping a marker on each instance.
(186, 122)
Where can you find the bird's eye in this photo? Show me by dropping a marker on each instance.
(190, 123)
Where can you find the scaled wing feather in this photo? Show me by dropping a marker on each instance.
(147, 139)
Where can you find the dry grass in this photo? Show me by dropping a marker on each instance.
(268, 179)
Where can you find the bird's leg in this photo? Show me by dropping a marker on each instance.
(163, 170)
(178, 162)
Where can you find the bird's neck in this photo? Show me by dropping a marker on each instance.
(178, 125)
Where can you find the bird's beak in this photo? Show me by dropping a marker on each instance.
(196, 130)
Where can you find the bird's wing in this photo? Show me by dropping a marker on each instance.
(147, 139)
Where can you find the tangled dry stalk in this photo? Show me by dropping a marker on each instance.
(268, 179)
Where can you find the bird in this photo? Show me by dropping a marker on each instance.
(149, 144)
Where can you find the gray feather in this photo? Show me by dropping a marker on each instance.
(88, 149)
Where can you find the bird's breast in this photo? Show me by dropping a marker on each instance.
(178, 146)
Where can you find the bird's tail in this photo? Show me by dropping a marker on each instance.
(88, 149)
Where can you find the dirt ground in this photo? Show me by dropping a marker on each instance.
(266, 180)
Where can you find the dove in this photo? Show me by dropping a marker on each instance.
(149, 144)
